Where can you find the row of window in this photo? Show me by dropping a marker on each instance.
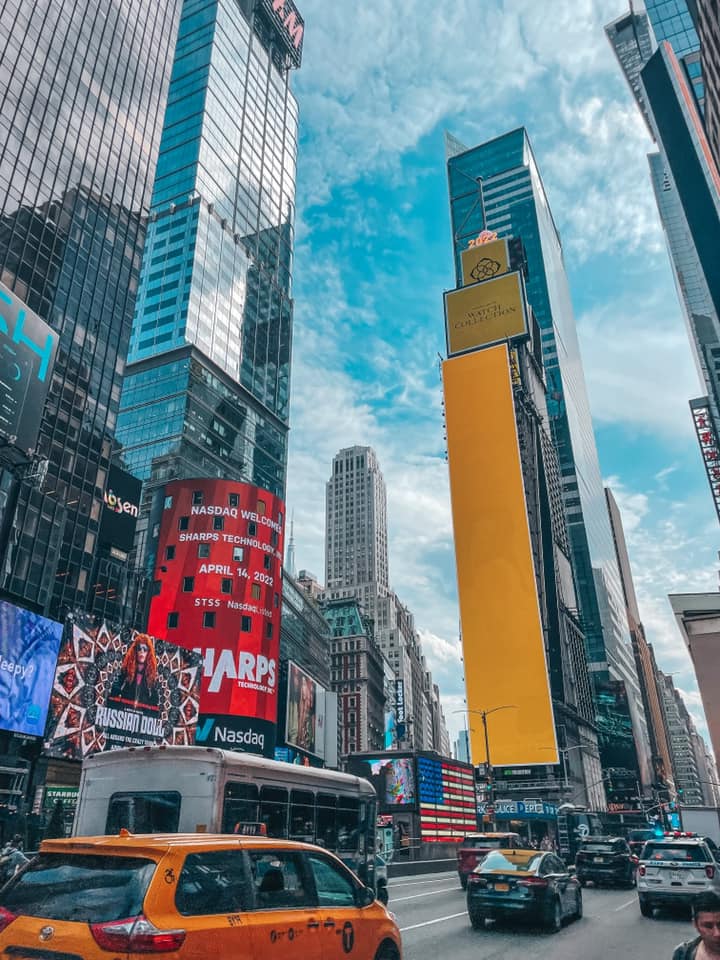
(209, 620)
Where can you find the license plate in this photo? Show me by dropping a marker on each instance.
(599, 859)
(502, 887)
(676, 875)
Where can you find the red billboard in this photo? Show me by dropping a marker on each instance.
(218, 582)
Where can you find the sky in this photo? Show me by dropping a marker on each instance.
(380, 84)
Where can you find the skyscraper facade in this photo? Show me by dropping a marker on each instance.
(207, 386)
(83, 90)
(356, 547)
(672, 22)
(646, 671)
(497, 186)
(681, 729)
(707, 22)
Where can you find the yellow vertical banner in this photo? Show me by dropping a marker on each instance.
(502, 635)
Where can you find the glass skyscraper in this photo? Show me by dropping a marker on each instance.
(497, 186)
(672, 21)
(206, 391)
(83, 90)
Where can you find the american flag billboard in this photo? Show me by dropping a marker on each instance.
(446, 799)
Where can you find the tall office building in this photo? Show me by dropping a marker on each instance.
(497, 186)
(687, 774)
(646, 671)
(83, 92)
(206, 391)
(706, 14)
(356, 547)
(685, 179)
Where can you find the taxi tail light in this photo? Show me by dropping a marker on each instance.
(536, 882)
(136, 935)
(476, 880)
(710, 872)
(6, 918)
(641, 870)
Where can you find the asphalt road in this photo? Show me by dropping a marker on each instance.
(433, 920)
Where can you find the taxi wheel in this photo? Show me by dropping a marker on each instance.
(387, 951)
(554, 920)
(463, 882)
(477, 920)
(646, 908)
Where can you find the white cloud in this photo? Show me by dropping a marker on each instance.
(630, 346)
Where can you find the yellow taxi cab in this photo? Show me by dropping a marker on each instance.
(190, 897)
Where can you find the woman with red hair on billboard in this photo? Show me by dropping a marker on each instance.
(136, 684)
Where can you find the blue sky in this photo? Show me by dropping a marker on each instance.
(379, 85)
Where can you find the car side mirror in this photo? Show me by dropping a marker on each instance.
(365, 896)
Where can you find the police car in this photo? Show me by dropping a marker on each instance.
(674, 868)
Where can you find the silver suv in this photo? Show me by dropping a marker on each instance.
(672, 870)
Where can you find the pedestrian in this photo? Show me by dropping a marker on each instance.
(706, 918)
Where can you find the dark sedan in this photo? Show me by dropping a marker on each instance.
(606, 860)
(527, 885)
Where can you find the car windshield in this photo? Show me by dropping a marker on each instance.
(525, 860)
(487, 843)
(597, 846)
(692, 853)
(86, 889)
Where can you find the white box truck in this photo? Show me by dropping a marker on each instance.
(704, 821)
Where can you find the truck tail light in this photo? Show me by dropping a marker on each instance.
(6, 918)
(136, 935)
(641, 870)
(710, 872)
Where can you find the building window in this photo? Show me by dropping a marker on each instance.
(246, 624)
(261, 508)
(268, 631)
(209, 620)
(218, 523)
(197, 498)
(170, 553)
(267, 561)
(183, 523)
(256, 591)
(167, 505)
(238, 554)
(234, 499)
(226, 585)
(276, 600)
(252, 528)
(172, 620)
(188, 584)
(203, 551)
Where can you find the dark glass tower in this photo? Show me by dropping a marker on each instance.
(206, 391)
(497, 186)
(83, 89)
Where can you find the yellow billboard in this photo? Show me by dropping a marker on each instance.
(485, 261)
(485, 313)
(502, 635)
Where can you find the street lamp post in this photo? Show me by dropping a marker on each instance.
(484, 714)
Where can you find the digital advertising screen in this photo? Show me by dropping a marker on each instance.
(218, 591)
(446, 798)
(116, 687)
(29, 647)
(305, 718)
(121, 507)
(392, 776)
(27, 355)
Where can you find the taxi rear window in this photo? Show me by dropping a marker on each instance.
(511, 862)
(82, 888)
(692, 853)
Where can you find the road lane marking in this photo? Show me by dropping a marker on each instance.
(623, 905)
(414, 896)
(411, 883)
(427, 923)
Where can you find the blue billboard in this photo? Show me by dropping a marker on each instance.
(29, 646)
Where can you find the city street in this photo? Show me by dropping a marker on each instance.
(433, 921)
